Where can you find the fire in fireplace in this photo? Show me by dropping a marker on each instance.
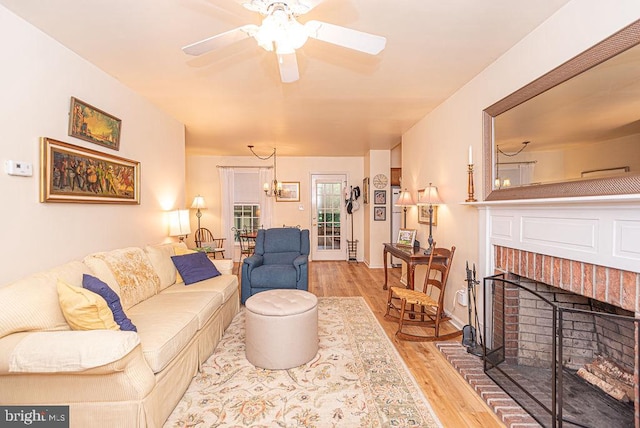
(567, 359)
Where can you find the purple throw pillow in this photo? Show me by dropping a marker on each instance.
(92, 283)
(195, 267)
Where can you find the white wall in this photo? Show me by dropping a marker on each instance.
(203, 178)
(435, 150)
(379, 231)
(37, 78)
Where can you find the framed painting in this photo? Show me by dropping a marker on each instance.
(71, 173)
(380, 197)
(379, 213)
(406, 237)
(423, 215)
(365, 190)
(290, 192)
(94, 125)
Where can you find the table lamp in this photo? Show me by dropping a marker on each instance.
(179, 224)
(430, 198)
(405, 200)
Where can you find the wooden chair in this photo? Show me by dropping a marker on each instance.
(247, 243)
(205, 240)
(418, 307)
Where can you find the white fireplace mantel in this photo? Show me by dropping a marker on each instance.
(599, 230)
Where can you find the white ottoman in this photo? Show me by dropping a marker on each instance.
(281, 328)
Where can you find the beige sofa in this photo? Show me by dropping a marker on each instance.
(113, 378)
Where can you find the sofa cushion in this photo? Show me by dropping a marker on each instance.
(160, 257)
(226, 285)
(92, 283)
(163, 333)
(181, 250)
(224, 266)
(202, 304)
(134, 276)
(195, 267)
(31, 303)
(64, 351)
(83, 309)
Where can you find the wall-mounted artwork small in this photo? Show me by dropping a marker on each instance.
(290, 192)
(380, 197)
(379, 213)
(94, 125)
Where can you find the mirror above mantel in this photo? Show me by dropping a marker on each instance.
(573, 132)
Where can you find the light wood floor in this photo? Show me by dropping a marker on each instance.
(453, 400)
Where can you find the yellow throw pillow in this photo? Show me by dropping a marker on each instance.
(84, 309)
(181, 251)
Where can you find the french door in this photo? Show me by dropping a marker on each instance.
(328, 234)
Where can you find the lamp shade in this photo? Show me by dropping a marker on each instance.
(198, 203)
(429, 196)
(405, 199)
(179, 223)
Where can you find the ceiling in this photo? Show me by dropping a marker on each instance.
(345, 103)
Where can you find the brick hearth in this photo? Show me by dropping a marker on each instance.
(470, 368)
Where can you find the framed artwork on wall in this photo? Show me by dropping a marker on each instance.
(94, 125)
(380, 197)
(379, 213)
(365, 190)
(423, 214)
(71, 173)
(290, 192)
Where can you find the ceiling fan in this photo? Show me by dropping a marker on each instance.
(280, 31)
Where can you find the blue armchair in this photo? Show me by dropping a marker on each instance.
(279, 261)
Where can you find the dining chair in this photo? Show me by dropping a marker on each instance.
(207, 243)
(420, 307)
(246, 240)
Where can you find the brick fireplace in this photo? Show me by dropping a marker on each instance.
(586, 246)
(522, 331)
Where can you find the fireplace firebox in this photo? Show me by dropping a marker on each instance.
(566, 358)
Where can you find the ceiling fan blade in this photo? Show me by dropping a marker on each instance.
(297, 7)
(220, 40)
(346, 37)
(288, 65)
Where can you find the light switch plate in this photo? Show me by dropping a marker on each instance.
(24, 169)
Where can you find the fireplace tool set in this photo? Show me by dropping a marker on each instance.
(470, 334)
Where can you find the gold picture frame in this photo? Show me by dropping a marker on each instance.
(70, 173)
(290, 192)
(406, 237)
(365, 190)
(94, 125)
(423, 214)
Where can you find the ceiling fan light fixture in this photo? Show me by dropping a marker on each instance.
(297, 34)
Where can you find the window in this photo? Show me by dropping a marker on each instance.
(246, 207)
(246, 216)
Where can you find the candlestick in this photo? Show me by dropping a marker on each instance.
(470, 189)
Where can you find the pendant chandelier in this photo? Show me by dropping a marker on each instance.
(274, 188)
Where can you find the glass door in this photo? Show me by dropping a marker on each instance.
(327, 231)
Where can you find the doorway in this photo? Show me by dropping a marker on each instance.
(327, 215)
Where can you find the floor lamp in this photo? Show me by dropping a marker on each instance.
(405, 200)
(431, 199)
(198, 202)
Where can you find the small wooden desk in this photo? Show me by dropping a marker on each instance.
(411, 256)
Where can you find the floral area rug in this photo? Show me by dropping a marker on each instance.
(357, 379)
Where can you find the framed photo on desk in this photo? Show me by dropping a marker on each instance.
(406, 238)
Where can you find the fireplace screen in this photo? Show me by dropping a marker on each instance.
(567, 359)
